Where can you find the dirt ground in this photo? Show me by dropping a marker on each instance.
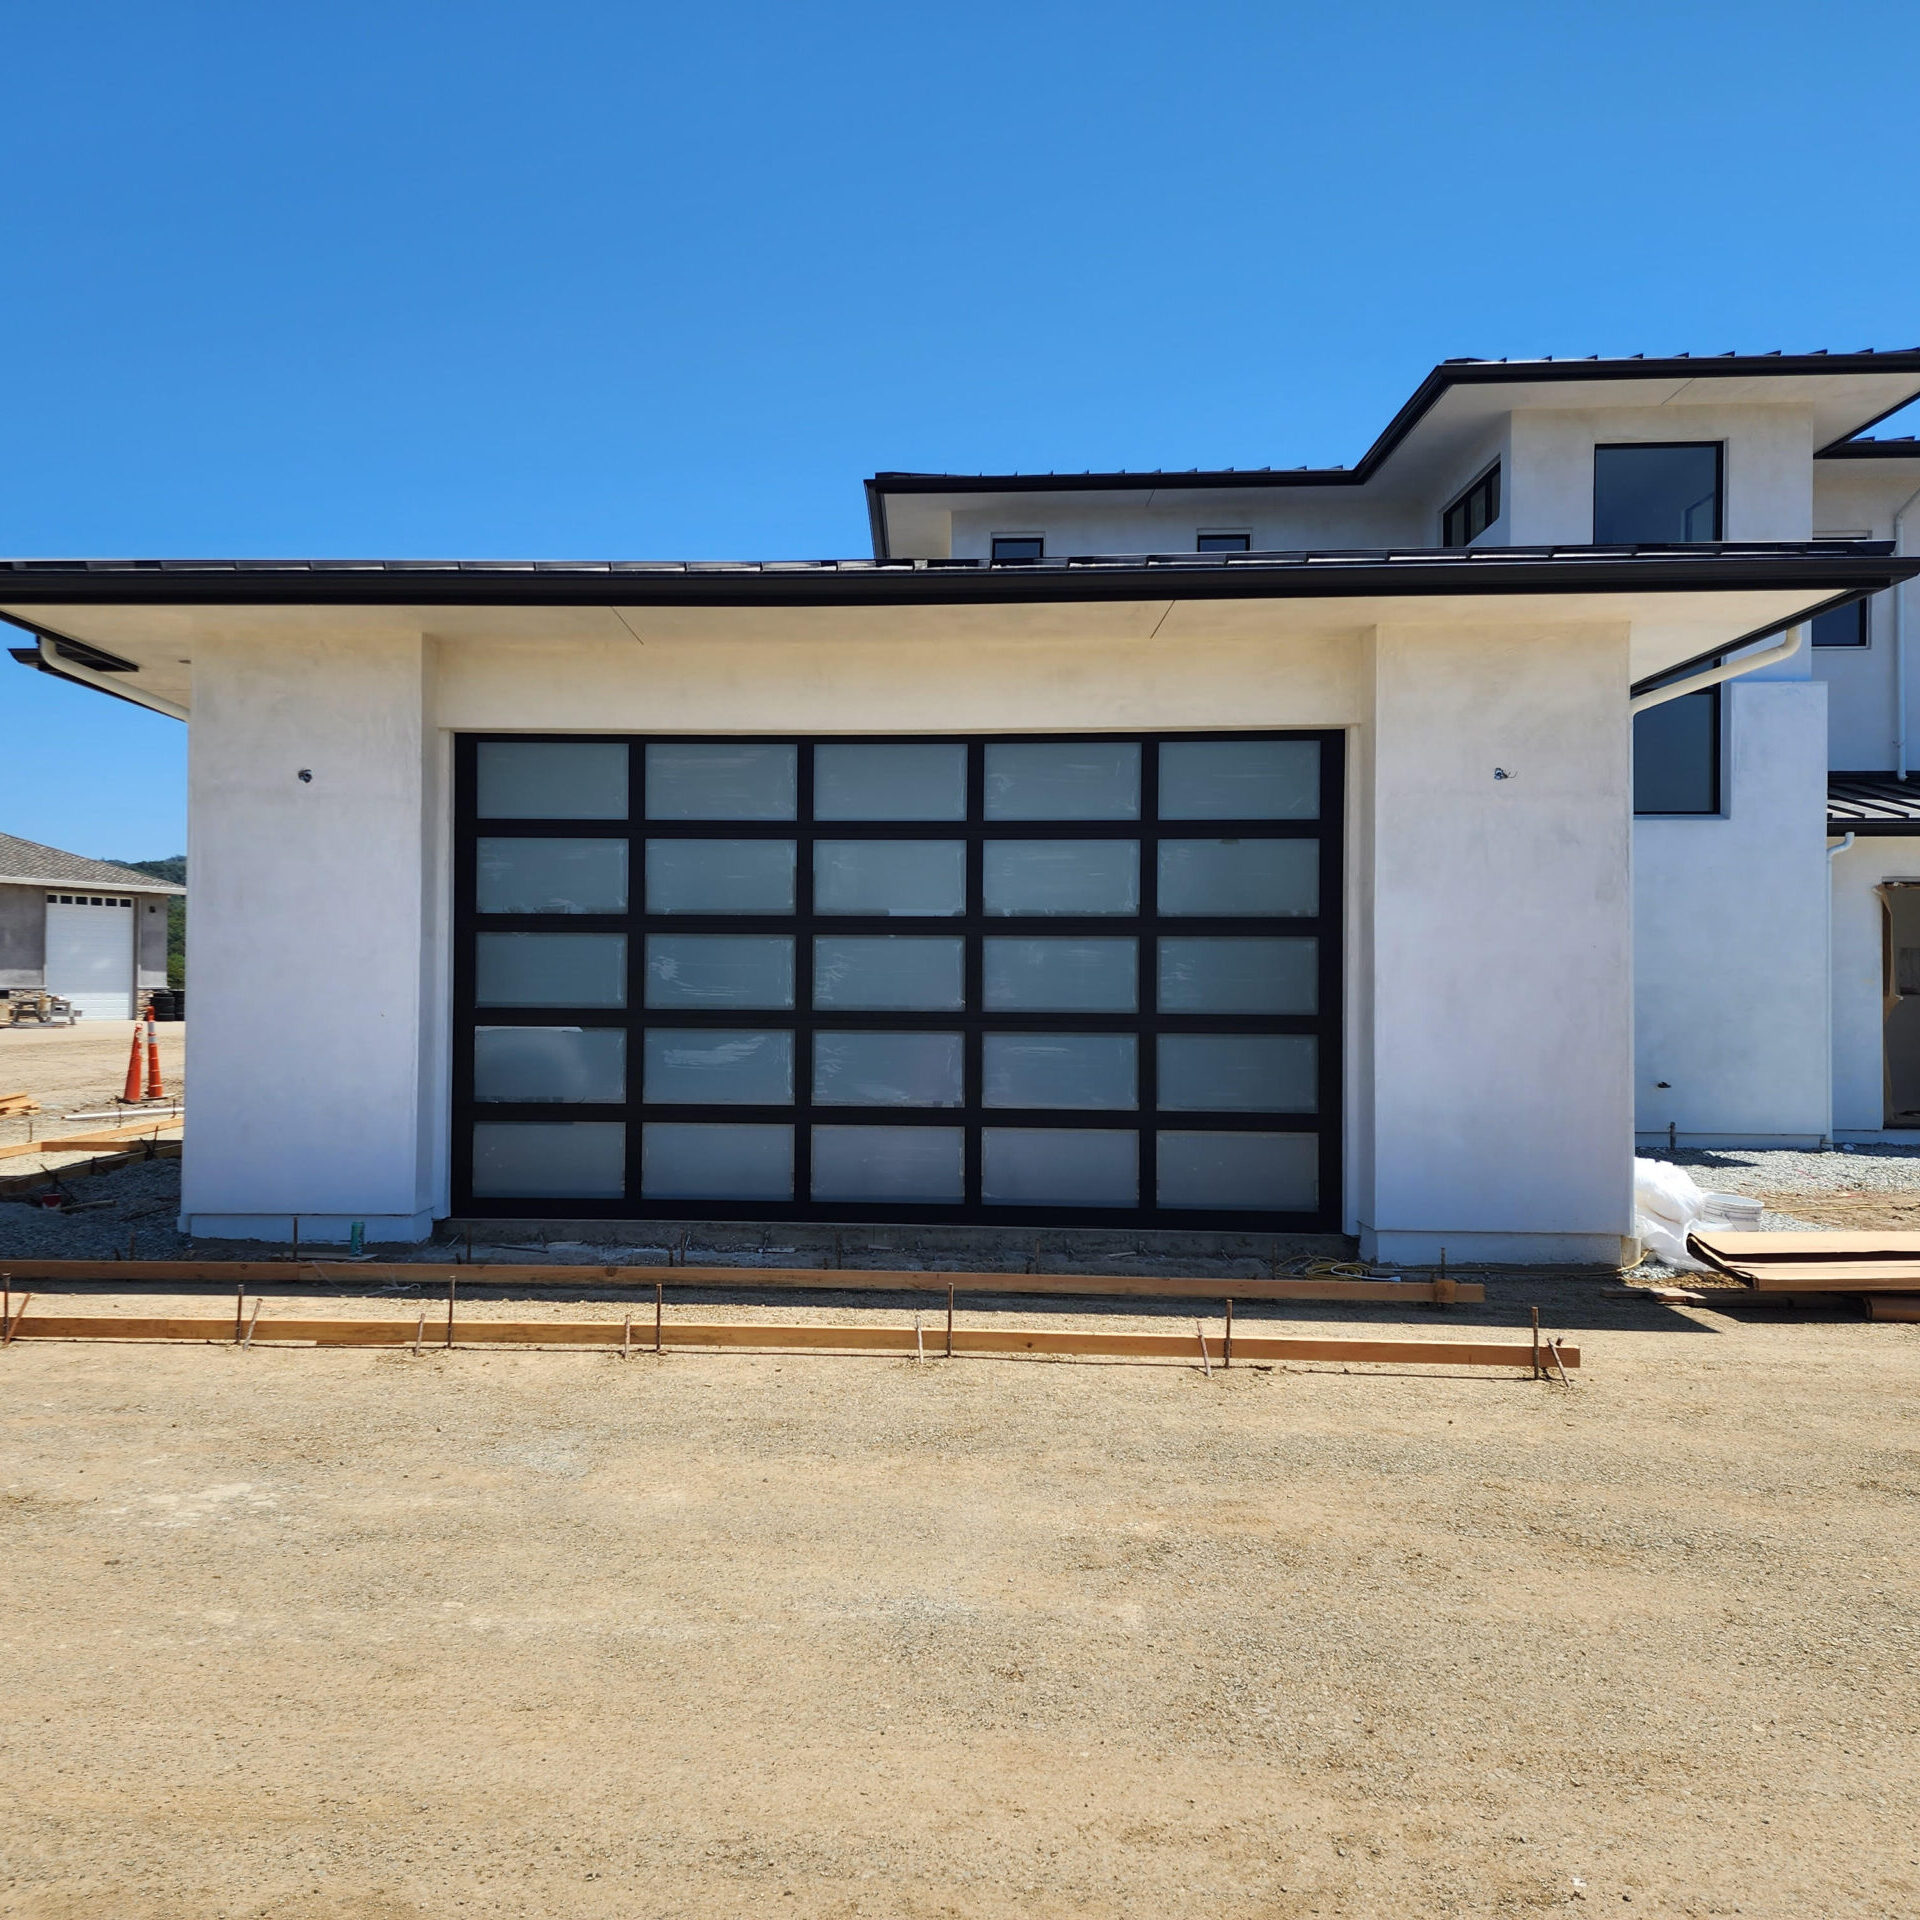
(77, 1069)
(359, 1636)
(1852, 1212)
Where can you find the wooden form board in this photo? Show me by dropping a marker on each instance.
(1822, 1262)
(772, 1279)
(109, 1141)
(929, 1339)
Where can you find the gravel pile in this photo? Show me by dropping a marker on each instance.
(1871, 1169)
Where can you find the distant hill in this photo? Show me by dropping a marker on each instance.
(173, 868)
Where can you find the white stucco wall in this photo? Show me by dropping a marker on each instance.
(1280, 519)
(1488, 1033)
(1730, 949)
(1500, 1051)
(1861, 497)
(1768, 473)
(311, 934)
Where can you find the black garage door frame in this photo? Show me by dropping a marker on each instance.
(1326, 1023)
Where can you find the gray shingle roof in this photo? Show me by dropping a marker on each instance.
(28, 862)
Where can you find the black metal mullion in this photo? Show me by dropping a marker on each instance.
(973, 973)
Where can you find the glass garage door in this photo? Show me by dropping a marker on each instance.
(1077, 981)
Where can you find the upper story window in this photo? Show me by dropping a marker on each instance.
(1657, 493)
(1019, 546)
(1841, 626)
(1676, 755)
(1223, 543)
(1473, 513)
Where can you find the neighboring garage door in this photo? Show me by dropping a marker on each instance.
(90, 953)
(1085, 981)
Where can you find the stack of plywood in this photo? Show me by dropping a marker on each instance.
(1874, 1262)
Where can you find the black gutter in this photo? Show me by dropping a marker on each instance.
(1903, 449)
(1848, 569)
(1449, 374)
(32, 657)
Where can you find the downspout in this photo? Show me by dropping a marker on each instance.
(1727, 670)
(1833, 853)
(107, 682)
(1899, 651)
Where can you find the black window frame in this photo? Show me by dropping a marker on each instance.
(1857, 615)
(1717, 774)
(1037, 541)
(1147, 1021)
(1456, 518)
(1205, 542)
(1719, 449)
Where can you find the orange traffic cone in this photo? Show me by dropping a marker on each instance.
(154, 1089)
(131, 1095)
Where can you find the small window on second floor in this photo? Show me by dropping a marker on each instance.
(1223, 543)
(1676, 755)
(1656, 494)
(1473, 513)
(1019, 546)
(1841, 626)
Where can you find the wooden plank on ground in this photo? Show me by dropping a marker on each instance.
(1821, 1262)
(772, 1279)
(103, 1142)
(609, 1333)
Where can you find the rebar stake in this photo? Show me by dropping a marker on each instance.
(1226, 1352)
(659, 1298)
(626, 1339)
(259, 1300)
(453, 1280)
(919, 1343)
(949, 1321)
(239, 1310)
(1535, 1311)
(419, 1332)
(1204, 1360)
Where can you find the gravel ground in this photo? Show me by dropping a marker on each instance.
(354, 1636)
(1870, 1169)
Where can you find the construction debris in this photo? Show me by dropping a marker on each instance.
(1863, 1262)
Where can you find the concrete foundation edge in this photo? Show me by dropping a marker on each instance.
(317, 1229)
(1419, 1247)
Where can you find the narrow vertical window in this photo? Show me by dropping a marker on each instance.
(1473, 513)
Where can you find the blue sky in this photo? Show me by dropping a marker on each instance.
(578, 279)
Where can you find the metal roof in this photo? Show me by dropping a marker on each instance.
(1450, 373)
(1845, 566)
(28, 863)
(1873, 803)
(1895, 447)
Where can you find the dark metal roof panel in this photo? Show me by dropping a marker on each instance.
(1873, 803)
(1844, 567)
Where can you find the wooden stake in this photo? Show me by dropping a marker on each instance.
(626, 1339)
(1553, 1347)
(919, 1345)
(1226, 1356)
(1204, 1361)
(419, 1333)
(13, 1323)
(253, 1322)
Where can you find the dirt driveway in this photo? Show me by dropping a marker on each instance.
(81, 1068)
(352, 1636)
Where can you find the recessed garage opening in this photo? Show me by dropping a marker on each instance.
(1034, 981)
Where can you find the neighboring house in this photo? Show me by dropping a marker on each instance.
(1209, 850)
(93, 932)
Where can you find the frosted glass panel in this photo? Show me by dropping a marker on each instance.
(888, 973)
(1238, 1072)
(720, 876)
(692, 1160)
(551, 780)
(550, 876)
(1239, 976)
(549, 1160)
(1063, 780)
(1240, 780)
(925, 1164)
(891, 877)
(1076, 1070)
(1060, 976)
(1264, 878)
(1062, 876)
(550, 969)
(721, 780)
(1266, 1172)
(1058, 1167)
(874, 782)
(550, 1063)
(888, 1070)
(719, 970)
(709, 1066)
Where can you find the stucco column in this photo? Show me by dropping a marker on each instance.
(310, 951)
(1501, 1033)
